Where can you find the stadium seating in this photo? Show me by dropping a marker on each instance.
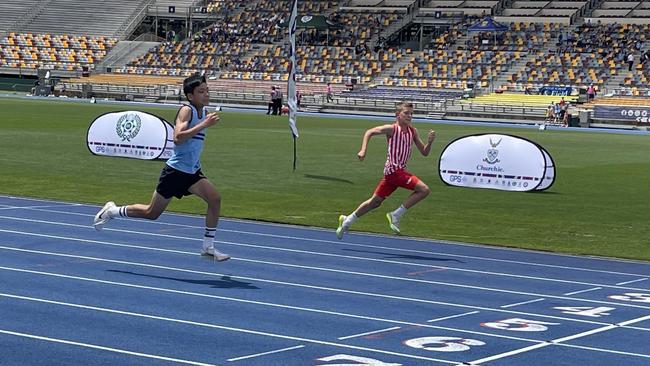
(246, 44)
(56, 52)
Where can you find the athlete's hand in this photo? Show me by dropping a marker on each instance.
(361, 154)
(211, 119)
(432, 135)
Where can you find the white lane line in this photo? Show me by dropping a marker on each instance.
(345, 243)
(582, 291)
(102, 348)
(452, 316)
(421, 240)
(507, 354)
(369, 333)
(35, 207)
(221, 327)
(628, 282)
(304, 267)
(254, 279)
(324, 269)
(275, 305)
(265, 353)
(521, 303)
(606, 350)
(88, 227)
(558, 342)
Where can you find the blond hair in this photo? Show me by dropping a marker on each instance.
(401, 105)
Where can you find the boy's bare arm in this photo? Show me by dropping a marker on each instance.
(182, 133)
(379, 130)
(424, 149)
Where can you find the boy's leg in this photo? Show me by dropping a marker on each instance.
(420, 192)
(206, 190)
(346, 221)
(151, 211)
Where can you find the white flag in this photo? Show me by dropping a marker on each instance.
(291, 98)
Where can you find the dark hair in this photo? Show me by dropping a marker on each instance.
(192, 83)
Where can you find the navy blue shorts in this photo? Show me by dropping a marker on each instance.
(174, 183)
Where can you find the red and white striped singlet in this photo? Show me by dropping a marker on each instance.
(400, 144)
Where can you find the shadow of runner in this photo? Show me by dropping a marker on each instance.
(404, 256)
(224, 282)
(324, 177)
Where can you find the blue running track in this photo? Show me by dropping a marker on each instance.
(139, 293)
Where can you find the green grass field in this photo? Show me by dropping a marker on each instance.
(598, 204)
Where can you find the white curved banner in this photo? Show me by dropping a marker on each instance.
(496, 161)
(131, 134)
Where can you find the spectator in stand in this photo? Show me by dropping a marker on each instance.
(298, 98)
(329, 92)
(565, 115)
(277, 105)
(271, 99)
(591, 93)
(630, 61)
(549, 113)
(557, 111)
(646, 57)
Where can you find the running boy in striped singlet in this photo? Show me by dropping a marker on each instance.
(400, 137)
(182, 174)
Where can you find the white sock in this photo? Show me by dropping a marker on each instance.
(399, 212)
(117, 211)
(350, 219)
(208, 237)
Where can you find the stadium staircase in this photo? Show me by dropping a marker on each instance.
(504, 77)
(124, 52)
(617, 81)
(394, 28)
(388, 73)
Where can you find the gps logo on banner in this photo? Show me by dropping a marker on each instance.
(502, 162)
(131, 134)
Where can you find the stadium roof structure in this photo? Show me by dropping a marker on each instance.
(487, 24)
(319, 22)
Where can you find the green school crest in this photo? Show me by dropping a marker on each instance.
(128, 126)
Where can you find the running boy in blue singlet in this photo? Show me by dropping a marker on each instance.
(182, 174)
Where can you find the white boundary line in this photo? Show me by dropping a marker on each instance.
(330, 289)
(265, 353)
(559, 341)
(35, 208)
(522, 303)
(346, 243)
(102, 348)
(430, 241)
(308, 340)
(311, 252)
(582, 291)
(275, 305)
(369, 333)
(452, 316)
(222, 327)
(628, 282)
(324, 269)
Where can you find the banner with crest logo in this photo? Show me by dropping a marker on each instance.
(496, 161)
(131, 134)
